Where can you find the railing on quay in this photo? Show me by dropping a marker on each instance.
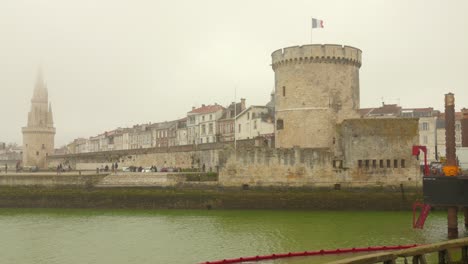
(392, 254)
(416, 254)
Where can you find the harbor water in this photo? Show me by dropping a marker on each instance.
(64, 236)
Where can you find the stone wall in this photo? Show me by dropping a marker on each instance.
(380, 149)
(276, 167)
(188, 156)
(365, 147)
(359, 158)
(49, 180)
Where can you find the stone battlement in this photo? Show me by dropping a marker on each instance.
(327, 53)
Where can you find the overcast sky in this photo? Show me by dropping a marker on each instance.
(115, 63)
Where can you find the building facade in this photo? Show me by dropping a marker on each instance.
(202, 123)
(225, 130)
(255, 121)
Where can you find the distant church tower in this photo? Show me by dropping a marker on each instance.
(38, 135)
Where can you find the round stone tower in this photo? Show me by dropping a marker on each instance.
(316, 88)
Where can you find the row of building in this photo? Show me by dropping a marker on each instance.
(215, 123)
(431, 126)
(205, 124)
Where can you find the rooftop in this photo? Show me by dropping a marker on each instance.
(205, 109)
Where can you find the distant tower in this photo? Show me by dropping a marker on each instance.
(38, 135)
(316, 88)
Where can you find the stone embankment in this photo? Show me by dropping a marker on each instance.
(188, 191)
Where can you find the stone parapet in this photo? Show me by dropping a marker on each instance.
(315, 53)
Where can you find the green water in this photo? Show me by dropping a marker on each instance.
(185, 236)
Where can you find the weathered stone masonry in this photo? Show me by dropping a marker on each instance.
(319, 138)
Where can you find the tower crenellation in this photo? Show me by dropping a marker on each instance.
(327, 53)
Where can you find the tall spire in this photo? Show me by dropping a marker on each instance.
(40, 89)
(50, 118)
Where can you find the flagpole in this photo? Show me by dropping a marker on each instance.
(311, 29)
(235, 119)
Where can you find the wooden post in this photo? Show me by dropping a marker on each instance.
(452, 222)
(464, 255)
(465, 212)
(419, 259)
(444, 257)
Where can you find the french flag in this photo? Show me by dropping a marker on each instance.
(316, 23)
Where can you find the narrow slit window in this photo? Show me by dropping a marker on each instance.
(279, 124)
(360, 163)
(395, 163)
(367, 163)
(374, 164)
(284, 90)
(388, 163)
(381, 163)
(403, 163)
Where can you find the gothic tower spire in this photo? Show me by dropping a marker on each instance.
(38, 135)
(40, 89)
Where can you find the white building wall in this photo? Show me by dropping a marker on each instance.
(428, 136)
(249, 124)
(182, 138)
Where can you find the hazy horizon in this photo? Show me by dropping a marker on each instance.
(110, 64)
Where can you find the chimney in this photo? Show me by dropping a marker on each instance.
(193, 108)
(450, 149)
(464, 127)
(203, 105)
(242, 104)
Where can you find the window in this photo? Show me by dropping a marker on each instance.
(395, 163)
(425, 126)
(279, 124)
(203, 118)
(367, 163)
(208, 140)
(255, 124)
(37, 153)
(239, 128)
(284, 90)
(248, 115)
(381, 164)
(374, 164)
(388, 163)
(211, 117)
(253, 115)
(210, 129)
(203, 129)
(402, 163)
(360, 163)
(424, 139)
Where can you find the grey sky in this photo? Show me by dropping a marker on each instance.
(112, 63)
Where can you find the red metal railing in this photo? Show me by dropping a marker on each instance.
(308, 253)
